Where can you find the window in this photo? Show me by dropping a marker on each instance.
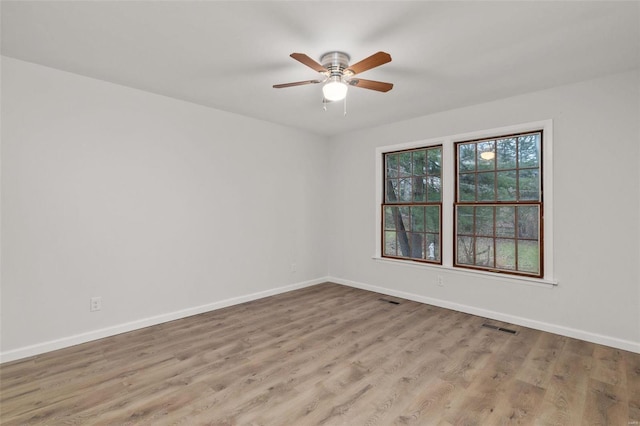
(412, 207)
(474, 203)
(498, 206)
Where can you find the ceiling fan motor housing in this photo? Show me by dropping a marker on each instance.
(335, 62)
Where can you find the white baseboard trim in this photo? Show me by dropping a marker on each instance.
(77, 339)
(614, 342)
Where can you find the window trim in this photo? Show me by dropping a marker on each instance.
(448, 194)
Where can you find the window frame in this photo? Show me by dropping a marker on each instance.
(412, 203)
(448, 194)
(496, 203)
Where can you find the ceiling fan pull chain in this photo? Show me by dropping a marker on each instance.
(324, 104)
(345, 107)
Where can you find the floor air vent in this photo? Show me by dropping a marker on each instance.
(393, 302)
(495, 327)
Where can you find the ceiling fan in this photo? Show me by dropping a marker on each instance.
(339, 75)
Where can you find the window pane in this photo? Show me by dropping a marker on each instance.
(484, 252)
(397, 218)
(467, 187)
(403, 249)
(505, 254)
(506, 153)
(529, 150)
(529, 184)
(435, 162)
(389, 218)
(434, 189)
(528, 256)
(484, 221)
(465, 249)
(528, 222)
(507, 186)
(391, 190)
(465, 220)
(416, 242)
(486, 155)
(390, 245)
(417, 219)
(404, 165)
(433, 218)
(467, 157)
(433, 247)
(420, 163)
(404, 190)
(506, 221)
(419, 189)
(403, 220)
(486, 186)
(392, 165)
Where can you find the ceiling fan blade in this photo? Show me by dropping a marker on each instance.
(380, 86)
(304, 59)
(297, 83)
(372, 61)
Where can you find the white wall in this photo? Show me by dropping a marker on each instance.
(596, 213)
(161, 207)
(166, 209)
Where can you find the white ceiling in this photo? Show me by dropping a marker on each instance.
(227, 55)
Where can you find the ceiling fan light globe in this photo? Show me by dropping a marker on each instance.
(335, 90)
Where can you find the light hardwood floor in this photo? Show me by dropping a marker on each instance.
(326, 355)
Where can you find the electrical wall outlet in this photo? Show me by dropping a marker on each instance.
(439, 281)
(294, 267)
(95, 304)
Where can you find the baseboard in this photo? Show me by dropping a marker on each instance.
(626, 345)
(77, 339)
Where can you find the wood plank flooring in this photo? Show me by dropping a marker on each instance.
(326, 355)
